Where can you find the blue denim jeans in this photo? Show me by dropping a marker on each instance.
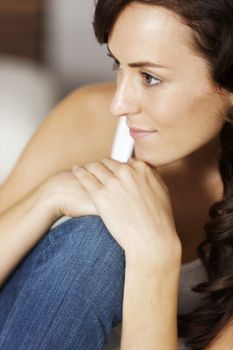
(67, 292)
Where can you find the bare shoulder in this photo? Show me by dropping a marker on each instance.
(78, 130)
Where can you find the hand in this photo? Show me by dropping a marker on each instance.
(135, 205)
(66, 196)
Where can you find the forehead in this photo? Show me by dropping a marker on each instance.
(151, 29)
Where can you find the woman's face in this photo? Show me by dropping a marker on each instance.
(175, 98)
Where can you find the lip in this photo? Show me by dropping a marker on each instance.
(138, 134)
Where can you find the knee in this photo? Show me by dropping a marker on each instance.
(78, 269)
(90, 256)
(87, 235)
(86, 241)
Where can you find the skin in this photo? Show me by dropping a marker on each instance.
(180, 101)
(137, 189)
(188, 113)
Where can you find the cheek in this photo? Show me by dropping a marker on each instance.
(185, 123)
(178, 109)
(203, 116)
(202, 105)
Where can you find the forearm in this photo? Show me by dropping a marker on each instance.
(150, 310)
(21, 227)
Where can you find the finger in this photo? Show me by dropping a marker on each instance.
(111, 164)
(151, 172)
(100, 171)
(138, 165)
(89, 181)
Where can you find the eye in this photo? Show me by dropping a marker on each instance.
(149, 80)
(116, 64)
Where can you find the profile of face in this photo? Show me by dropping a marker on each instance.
(163, 85)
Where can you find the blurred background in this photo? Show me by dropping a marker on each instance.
(47, 49)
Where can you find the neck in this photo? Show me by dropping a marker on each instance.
(197, 167)
(194, 184)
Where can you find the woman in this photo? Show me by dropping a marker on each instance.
(174, 66)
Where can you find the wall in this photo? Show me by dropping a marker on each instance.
(28, 91)
(72, 49)
(21, 28)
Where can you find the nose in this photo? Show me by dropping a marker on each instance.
(126, 100)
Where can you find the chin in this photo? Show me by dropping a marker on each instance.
(150, 159)
(146, 158)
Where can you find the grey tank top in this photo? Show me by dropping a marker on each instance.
(191, 273)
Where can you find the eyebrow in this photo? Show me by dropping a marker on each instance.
(142, 64)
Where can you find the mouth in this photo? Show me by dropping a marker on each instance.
(138, 133)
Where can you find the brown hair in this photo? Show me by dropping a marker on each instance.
(211, 22)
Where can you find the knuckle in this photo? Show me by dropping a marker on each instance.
(142, 165)
(137, 163)
(105, 162)
(80, 171)
(91, 166)
(124, 169)
(113, 182)
(106, 159)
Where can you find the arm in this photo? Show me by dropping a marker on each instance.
(144, 227)
(150, 307)
(20, 228)
(27, 221)
(63, 139)
(150, 312)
